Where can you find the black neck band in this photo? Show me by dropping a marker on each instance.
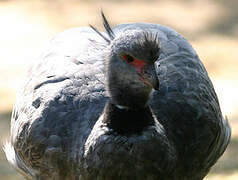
(127, 121)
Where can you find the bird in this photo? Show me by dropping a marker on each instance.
(133, 102)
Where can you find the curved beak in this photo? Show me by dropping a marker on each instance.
(150, 77)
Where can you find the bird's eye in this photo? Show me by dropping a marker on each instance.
(128, 58)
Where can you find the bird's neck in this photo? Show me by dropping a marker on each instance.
(127, 121)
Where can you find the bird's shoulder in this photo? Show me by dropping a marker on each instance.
(61, 99)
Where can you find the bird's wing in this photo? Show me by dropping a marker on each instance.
(186, 104)
(61, 100)
(219, 144)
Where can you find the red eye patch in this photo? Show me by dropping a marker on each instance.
(139, 64)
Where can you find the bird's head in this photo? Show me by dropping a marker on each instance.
(131, 72)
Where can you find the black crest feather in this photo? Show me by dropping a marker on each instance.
(152, 44)
(107, 28)
(148, 44)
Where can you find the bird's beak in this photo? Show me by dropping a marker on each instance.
(150, 77)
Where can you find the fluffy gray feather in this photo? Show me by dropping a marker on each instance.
(57, 127)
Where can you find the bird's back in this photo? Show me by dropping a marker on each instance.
(186, 103)
(60, 101)
(65, 94)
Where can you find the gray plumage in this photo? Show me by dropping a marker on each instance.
(59, 129)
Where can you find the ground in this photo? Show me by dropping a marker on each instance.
(210, 26)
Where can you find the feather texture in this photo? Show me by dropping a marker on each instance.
(57, 127)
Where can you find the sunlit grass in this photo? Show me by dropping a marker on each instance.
(232, 176)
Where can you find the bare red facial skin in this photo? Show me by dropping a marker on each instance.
(139, 64)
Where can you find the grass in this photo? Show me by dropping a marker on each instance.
(209, 25)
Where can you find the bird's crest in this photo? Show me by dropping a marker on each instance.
(107, 28)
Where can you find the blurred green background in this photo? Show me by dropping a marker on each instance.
(211, 26)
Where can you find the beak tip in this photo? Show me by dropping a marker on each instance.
(156, 88)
